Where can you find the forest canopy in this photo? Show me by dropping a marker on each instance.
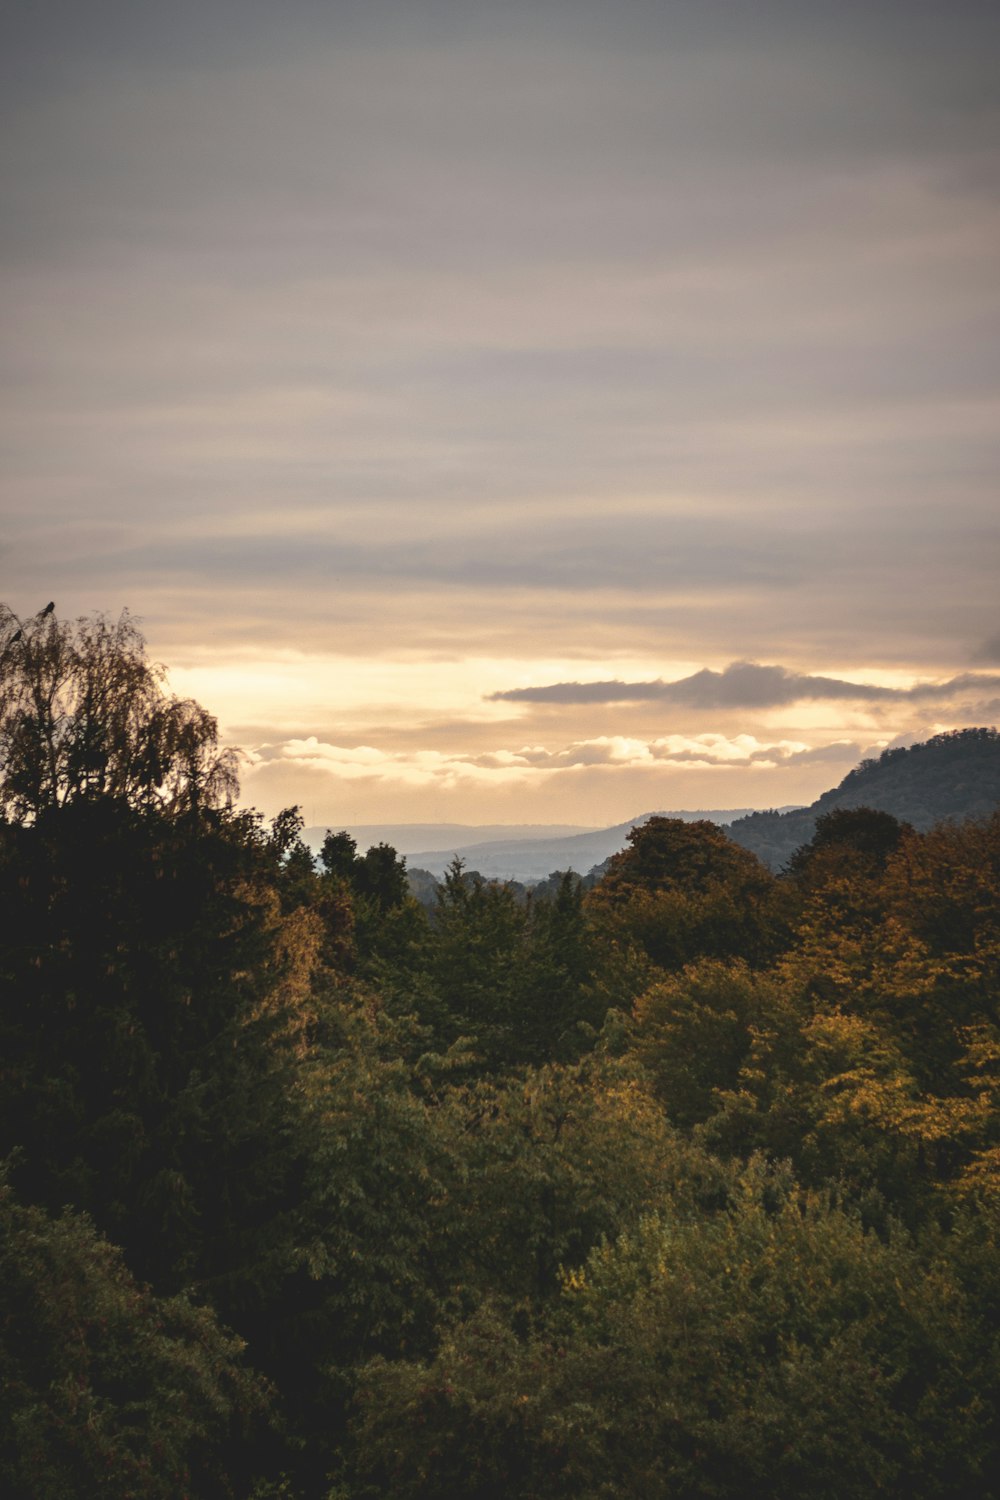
(683, 1185)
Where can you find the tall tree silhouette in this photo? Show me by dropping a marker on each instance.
(84, 713)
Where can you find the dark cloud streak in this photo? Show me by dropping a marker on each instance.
(743, 685)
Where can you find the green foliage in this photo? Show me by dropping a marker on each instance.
(379, 875)
(549, 1162)
(516, 978)
(773, 1347)
(149, 1033)
(474, 961)
(695, 1033)
(769, 1347)
(381, 1167)
(372, 922)
(109, 1391)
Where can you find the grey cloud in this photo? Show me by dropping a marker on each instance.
(840, 750)
(967, 682)
(742, 684)
(654, 553)
(331, 147)
(270, 751)
(989, 651)
(650, 581)
(647, 550)
(581, 692)
(898, 33)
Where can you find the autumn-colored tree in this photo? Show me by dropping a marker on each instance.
(858, 839)
(683, 891)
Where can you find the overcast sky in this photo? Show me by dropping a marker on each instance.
(473, 400)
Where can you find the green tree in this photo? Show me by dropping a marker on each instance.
(155, 999)
(377, 884)
(695, 1033)
(516, 976)
(550, 1160)
(381, 877)
(339, 854)
(153, 1007)
(109, 1391)
(768, 1346)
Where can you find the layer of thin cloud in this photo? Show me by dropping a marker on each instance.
(422, 768)
(745, 685)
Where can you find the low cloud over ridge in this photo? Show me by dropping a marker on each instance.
(742, 684)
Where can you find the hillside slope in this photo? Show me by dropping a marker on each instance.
(952, 776)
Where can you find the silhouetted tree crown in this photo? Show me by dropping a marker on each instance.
(83, 713)
(666, 853)
(859, 834)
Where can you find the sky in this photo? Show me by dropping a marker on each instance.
(513, 412)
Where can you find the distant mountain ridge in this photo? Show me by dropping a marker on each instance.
(951, 776)
(535, 858)
(504, 851)
(408, 838)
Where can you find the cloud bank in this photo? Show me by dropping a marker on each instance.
(425, 768)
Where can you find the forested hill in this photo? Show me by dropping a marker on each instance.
(952, 776)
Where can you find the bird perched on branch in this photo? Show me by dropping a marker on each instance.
(48, 608)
